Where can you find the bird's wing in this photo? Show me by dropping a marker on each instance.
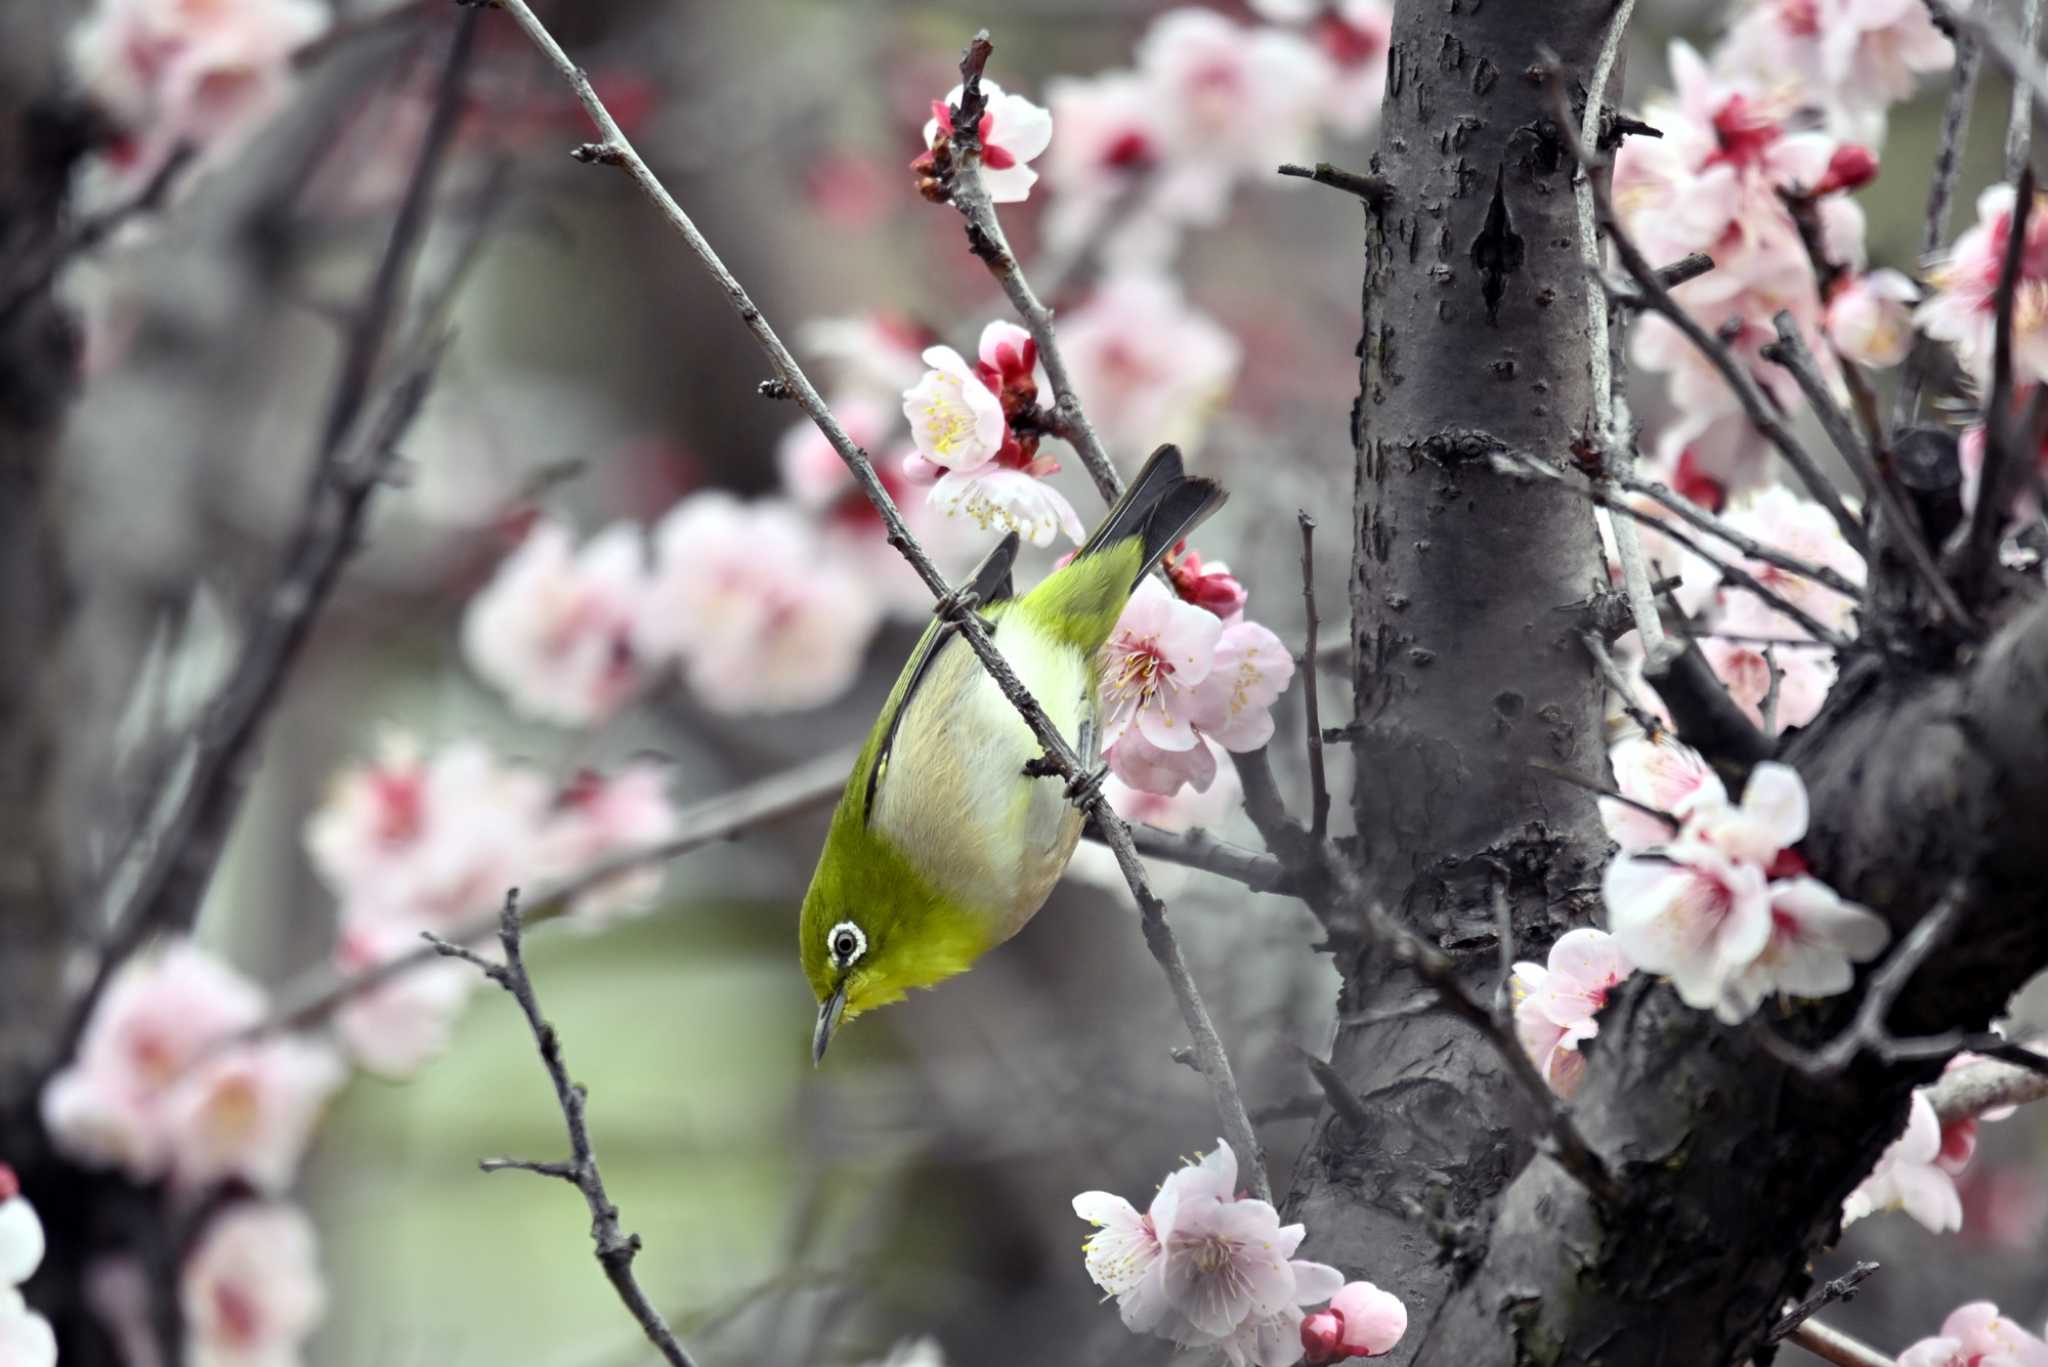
(990, 583)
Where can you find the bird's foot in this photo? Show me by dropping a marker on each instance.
(1085, 788)
(1041, 766)
(955, 606)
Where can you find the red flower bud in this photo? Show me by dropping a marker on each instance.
(1322, 1336)
(1852, 167)
(1689, 481)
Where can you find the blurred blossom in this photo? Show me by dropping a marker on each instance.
(1148, 369)
(1661, 773)
(1162, 773)
(1190, 808)
(430, 841)
(1962, 307)
(1013, 132)
(760, 617)
(251, 1291)
(1356, 36)
(597, 817)
(1909, 1176)
(553, 628)
(1976, 1335)
(396, 1027)
(21, 1233)
(1803, 530)
(2026, 501)
(1103, 169)
(1853, 56)
(1815, 936)
(1870, 318)
(1738, 648)
(202, 73)
(875, 354)
(1556, 1003)
(160, 1013)
(813, 474)
(248, 1112)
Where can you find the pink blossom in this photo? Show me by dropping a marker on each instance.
(1860, 54)
(1976, 1335)
(1815, 936)
(875, 355)
(1739, 647)
(1690, 913)
(597, 817)
(1203, 806)
(1125, 1254)
(1356, 36)
(1160, 651)
(1233, 703)
(955, 418)
(1556, 1005)
(1361, 1322)
(251, 1290)
(1013, 132)
(1771, 818)
(1661, 773)
(761, 618)
(1161, 773)
(396, 1027)
(1909, 1176)
(813, 475)
(1870, 318)
(1237, 101)
(1228, 1266)
(553, 630)
(1147, 367)
(159, 1015)
(247, 1112)
(172, 72)
(1801, 528)
(2025, 501)
(1962, 307)
(1000, 499)
(427, 840)
(21, 1232)
(1103, 169)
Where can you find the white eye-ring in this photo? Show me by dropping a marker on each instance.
(846, 942)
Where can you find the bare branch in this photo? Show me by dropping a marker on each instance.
(1319, 819)
(1980, 1087)
(986, 240)
(1159, 937)
(1751, 547)
(1842, 1288)
(1374, 191)
(1832, 1345)
(1941, 189)
(615, 1248)
(2019, 120)
(1618, 684)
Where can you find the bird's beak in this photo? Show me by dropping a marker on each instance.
(828, 1021)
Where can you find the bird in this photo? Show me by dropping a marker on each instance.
(944, 844)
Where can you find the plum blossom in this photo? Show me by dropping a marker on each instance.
(956, 420)
(1103, 170)
(1013, 131)
(1814, 937)
(1962, 306)
(1361, 1321)
(1556, 1005)
(746, 597)
(1800, 527)
(1188, 808)
(596, 816)
(1738, 647)
(1125, 1254)
(1660, 773)
(553, 630)
(875, 355)
(1236, 100)
(186, 72)
(2025, 502)
(1909, 1177)
(249, 1111)
(1209, 585)
(1147, 367)
(428, 840)
(251, 1290)
(1870, 318)
(1355, 36)
(1233, 704)
(1858, 56)
(396, 1027)
(1976, 1335)
(26, 1339)
(1690, 913)
(160, 1013)
(1159, 652)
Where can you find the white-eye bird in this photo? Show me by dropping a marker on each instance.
(943, 846)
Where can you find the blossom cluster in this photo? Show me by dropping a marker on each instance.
(1976, 1335)
(173, 1081)
(1917, 1172)
(1207, 1267)
(1557, 1003)
(412, 841)
(202, 75)
(26, 1339)
(1718, 899)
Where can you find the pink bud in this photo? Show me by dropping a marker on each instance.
(1321, 1336)
(1374, 1320)
(1691, 482)
(1852, 167)
(1958, 1144)
(10, 1185)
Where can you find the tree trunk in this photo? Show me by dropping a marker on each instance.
(1469, 591)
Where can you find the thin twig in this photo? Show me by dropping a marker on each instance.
(1979, 1087)
(985, 238)
(1376, 192)
(1703, 713)
(1618, 684)
(1319, 813)
(1689, 267)
(1866, 1032)
(1941, 189)
(1159, 937)
(1790, 352)
(89, 233)
(1842, 1288)
(187, 842)
(1197, 849)
(1337, 1092)
(1722, 530)
(1608, 791)
(615, 1248)
(2019, 121)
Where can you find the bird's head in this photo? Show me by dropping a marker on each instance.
(871, 933)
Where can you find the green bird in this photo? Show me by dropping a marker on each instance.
(943, 846)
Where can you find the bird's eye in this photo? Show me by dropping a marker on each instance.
(847, 942)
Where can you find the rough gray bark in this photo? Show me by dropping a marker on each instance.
(1468, 594)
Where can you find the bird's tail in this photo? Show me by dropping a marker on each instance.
(1082, 600)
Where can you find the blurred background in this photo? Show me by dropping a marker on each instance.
(920, 1181)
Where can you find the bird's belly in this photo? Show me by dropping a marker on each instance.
(957, 801)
